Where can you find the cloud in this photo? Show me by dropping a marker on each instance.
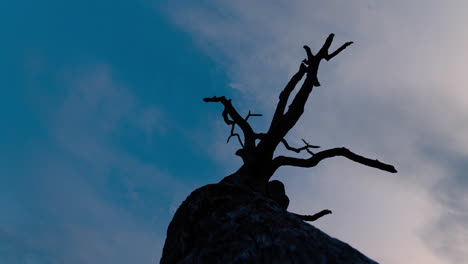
(449, 234)
(94, 201)
(397, 94)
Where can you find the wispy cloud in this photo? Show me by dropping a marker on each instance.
(395, 94)
(93, 200)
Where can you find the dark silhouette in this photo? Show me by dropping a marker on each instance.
(257, 149)
(276, 191)
(244, 218)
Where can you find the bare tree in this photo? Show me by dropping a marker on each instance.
(257, 149)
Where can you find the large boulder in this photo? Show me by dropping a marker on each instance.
(232, 223)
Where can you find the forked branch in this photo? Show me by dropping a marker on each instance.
(336, 52)
(233, 126)
(307, 147)
(237, 119)
(232, 134)
(323, 53)
(283, 122)
(284, 96)
(258, 157)
(250, 114)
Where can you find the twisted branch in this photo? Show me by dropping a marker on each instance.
(230, 111)
(307, 147)
(329, 153)
(283, 122)
(258, 156)
(232, 134)
(233, 125)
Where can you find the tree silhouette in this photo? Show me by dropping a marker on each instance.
(244, 218)
(257, 149)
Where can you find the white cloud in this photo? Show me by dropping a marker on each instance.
(397, 94)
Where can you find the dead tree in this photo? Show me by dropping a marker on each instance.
(257, 149)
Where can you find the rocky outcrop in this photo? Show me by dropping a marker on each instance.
(231, 223)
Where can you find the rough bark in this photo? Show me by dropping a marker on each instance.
(230, 223)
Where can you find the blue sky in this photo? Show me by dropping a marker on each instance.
(102, 129)
(104, 132)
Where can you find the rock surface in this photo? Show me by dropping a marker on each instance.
(231, 223)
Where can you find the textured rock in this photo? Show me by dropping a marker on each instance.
(231, 223)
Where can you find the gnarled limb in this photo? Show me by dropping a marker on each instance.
(307, 147)
(233, 126)
(282, 123)
(232, 134)
(258, 158)
(313, 217)
(230, 111)
(344, 152)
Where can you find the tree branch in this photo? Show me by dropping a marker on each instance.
(296, 109)
(313, 63)
(232, 134)
(284, 95)
(250, 114)
(307, 147)
(323, 53)
(310, 56)
(336, 52)
(249, 135)
(329, 153)
(233, 125)
(313, 217)
(285, 122)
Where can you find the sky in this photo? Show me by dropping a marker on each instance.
(104, 133)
